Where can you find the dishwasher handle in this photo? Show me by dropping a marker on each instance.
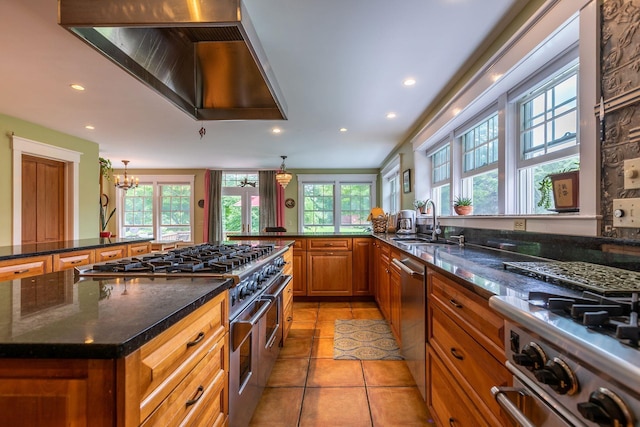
(401, 264)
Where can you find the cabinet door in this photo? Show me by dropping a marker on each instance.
(40, 392)
(362, 249)
(383, 291)
(329, 273)
(299, 273)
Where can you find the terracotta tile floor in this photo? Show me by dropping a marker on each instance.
(308, 388)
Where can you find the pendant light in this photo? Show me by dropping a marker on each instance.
(128, 181)
(282, 176)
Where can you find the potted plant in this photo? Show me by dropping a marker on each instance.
(419, 205)
(563, 186)
(106, 169)
(104, 218)
(463, 205)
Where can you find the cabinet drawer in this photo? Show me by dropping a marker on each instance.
(329, 244)
(111, 253)
(67, 260)
(288, 294)
(139, 249)
(471, 364)
(199, 397)
(288, 262)
(167, 359)
(288, 320)
(25, 267)
(447, 402)
(472, 311)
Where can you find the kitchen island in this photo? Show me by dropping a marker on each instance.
(111, 351)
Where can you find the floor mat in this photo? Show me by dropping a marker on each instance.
(364, 340)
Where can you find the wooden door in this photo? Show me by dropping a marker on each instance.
(43, 200)
(361, 266)
(329, 273)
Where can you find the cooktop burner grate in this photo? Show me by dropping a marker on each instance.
(598, 278)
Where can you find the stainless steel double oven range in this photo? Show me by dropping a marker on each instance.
(574, 355)
(256, 304)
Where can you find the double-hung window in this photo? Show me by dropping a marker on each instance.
(441, 180)
(334, 203)
(160, 208)
(480, 166)
(548, 134)
(391, 186)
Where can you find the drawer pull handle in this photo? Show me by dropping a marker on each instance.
(455, 354)
(199, 338)
(452, 421)
(111, 256)
(455, 303)
(197, 397)
(78, 261)
(289, 319)
(21, 271)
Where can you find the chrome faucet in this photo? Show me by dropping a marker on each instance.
(436, 226)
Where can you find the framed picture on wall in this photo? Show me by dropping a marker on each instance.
(406, 181)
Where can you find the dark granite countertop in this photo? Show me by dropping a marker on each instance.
(23, 251)
(58, 316)
(480, 268)
(292, 234)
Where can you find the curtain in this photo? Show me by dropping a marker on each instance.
(213, 206)
(268, 198)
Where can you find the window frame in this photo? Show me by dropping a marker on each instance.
(156, 181)
(336, 180)
(391, 194)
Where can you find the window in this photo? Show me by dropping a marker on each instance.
(548, 129)
(391, 186)
(240, 202)
(333, 203)
(160, 208)
(480, 157)
(441, 180)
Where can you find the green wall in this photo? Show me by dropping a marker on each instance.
(89, 173)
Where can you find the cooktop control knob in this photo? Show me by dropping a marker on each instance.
(531, 357)
(605, 408)
(559, 376)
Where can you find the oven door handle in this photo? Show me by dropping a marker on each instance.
(285, 282)
(242, 328)
(500, 393)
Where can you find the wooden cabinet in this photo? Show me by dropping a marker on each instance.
(18, 268)
(362, 263)
(136, 249)
(383, 292)
(287, 311)
(111, 252)
(68, 260)
(329, 273)
(448, 404)
(463, 331)
(300, 267)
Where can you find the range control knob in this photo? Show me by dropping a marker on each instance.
(559, 376)
(605, 408)
(531, 357)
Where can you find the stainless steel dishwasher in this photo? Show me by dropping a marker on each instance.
(413, 319)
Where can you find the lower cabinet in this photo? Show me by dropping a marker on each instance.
(395, 301)
(25, 267)
(178, 378)
(329, 273)
(362, 266)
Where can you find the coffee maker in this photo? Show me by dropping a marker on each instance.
(406, 222)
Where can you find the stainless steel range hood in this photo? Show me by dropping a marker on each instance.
(202, 55)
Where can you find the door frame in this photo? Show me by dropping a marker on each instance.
(71, 159)
(245, 194)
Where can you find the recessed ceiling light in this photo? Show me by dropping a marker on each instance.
(409, 82)
(391, 115)
(276, 130)
(456, 111)
(343, 129)
(496, 77)
(90, 127)
(77, 87)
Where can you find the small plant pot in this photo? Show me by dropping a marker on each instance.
(463, 210)
(105, 234)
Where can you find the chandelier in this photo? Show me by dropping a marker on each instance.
(128, 181)
(282, 176)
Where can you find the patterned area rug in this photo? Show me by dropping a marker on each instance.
(364, 340)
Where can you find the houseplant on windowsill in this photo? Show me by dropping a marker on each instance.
(463, 205)
(104, 218)
(564, 186)
(420, 205)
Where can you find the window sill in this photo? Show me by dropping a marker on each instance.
(572, 223)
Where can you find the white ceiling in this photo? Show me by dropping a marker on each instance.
(339, 63)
